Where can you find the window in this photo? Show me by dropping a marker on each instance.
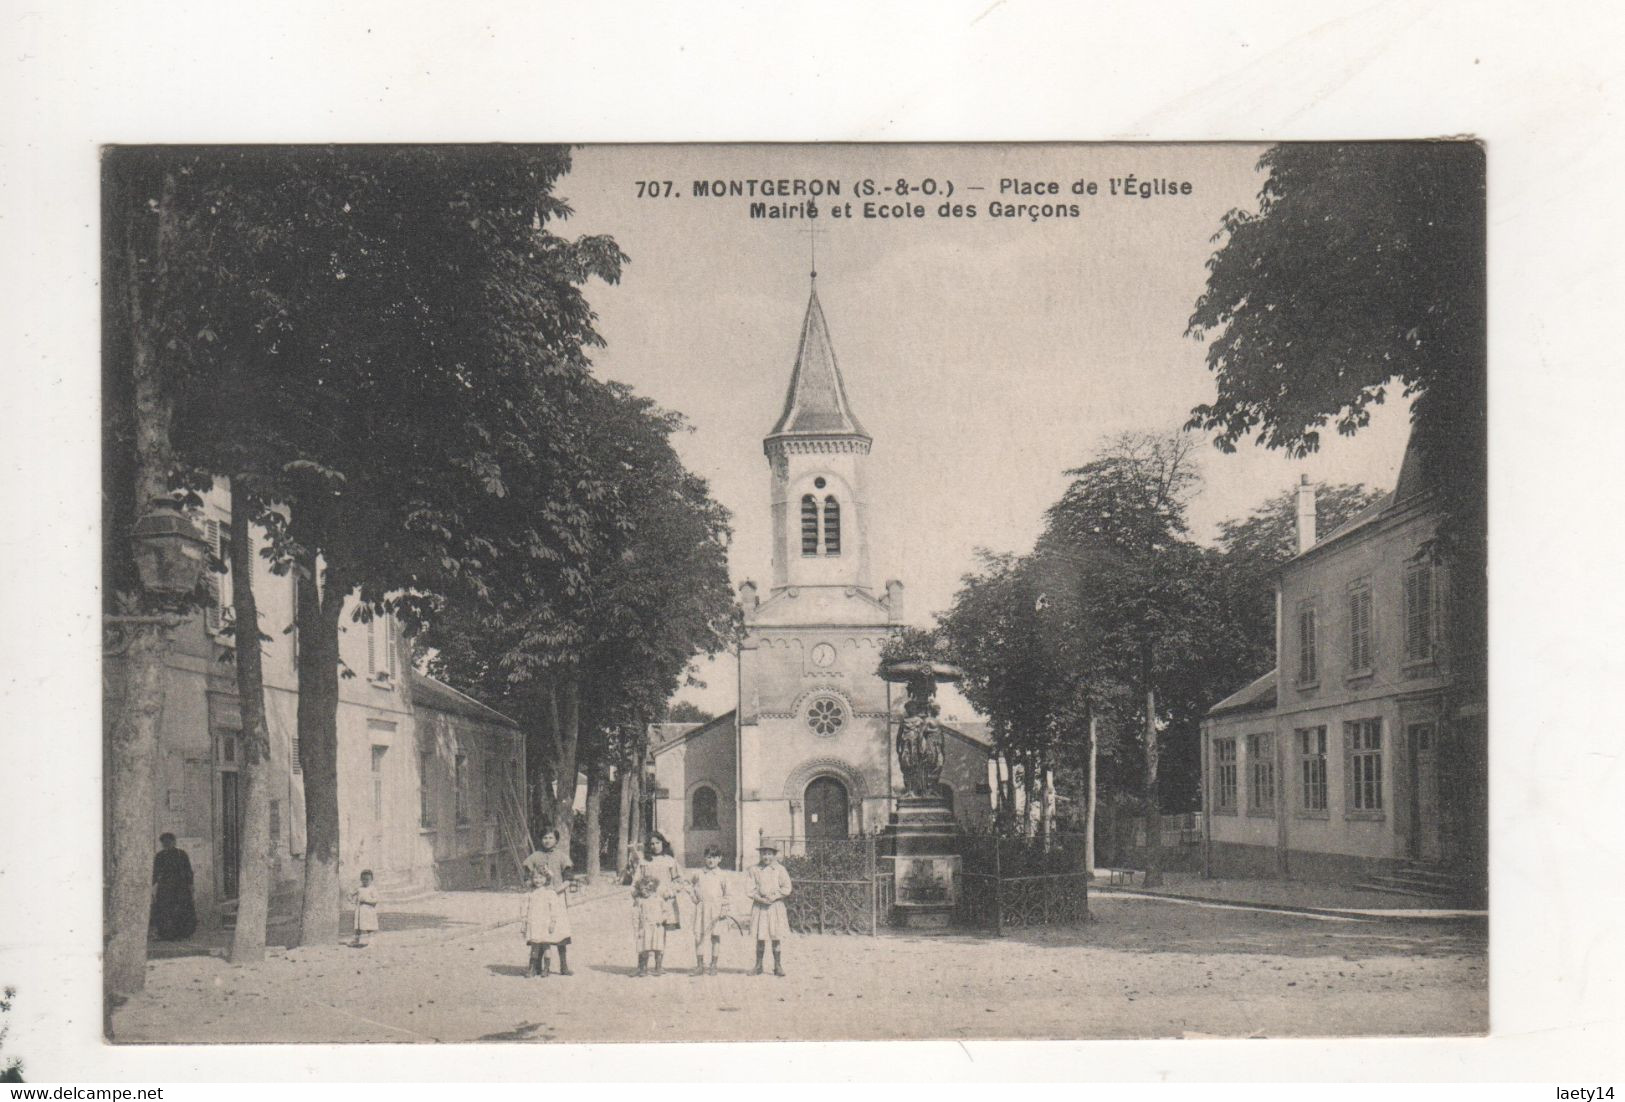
(1261, 773)
(1419, 612)
(1360, 644)
(1311, 767)
(809, 525)
(378, 753)
(459, 780)
(276, 822)
(1308, 657)
(1364, 739)
(824, 717)
(218, 615)
(425, 793)
(296, 759)
(381, 647)
(1224, 774)
(832, 526)
(704, 803)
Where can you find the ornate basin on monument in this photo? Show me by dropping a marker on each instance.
(922, 839)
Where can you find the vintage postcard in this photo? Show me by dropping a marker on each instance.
(639, 593)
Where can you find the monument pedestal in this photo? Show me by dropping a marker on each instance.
(922, 841)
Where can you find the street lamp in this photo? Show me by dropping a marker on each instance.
(169, 551)
(169, 555)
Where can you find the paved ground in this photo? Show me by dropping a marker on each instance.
(1145, 968)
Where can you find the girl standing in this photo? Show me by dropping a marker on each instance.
(365, 899)
(649, 925)
(547, 923)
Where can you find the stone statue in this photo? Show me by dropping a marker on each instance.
(919, 741)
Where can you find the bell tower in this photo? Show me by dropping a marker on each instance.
(816, 454)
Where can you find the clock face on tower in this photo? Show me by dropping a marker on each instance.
(823, 656)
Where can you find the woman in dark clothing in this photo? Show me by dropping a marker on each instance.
(172, 912)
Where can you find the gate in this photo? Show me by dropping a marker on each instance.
(838, 886)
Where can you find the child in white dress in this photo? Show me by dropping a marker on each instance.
(365, 899)
(547, 922)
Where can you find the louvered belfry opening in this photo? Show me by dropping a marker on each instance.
(809, 525)
(832, 526)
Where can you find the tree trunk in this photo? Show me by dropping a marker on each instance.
(595, 803)
(1153, 809)
(623, 818)
(1089, 819)
(132, 751)
(254, 771)
(319, 610)
(568, 701)
(635, 813)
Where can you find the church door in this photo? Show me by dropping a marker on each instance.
(826, 809)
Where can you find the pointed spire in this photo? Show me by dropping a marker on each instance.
(816, 404)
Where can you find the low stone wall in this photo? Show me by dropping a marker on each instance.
(1235, 860)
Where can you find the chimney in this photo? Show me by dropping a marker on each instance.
(1306, 514)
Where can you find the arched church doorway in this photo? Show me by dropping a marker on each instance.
(826, 809)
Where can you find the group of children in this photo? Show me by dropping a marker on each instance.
(655, 913)
(657, 883)
(656, 886)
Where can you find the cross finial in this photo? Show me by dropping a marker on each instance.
(811, 230)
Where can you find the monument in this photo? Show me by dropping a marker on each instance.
(922, 838)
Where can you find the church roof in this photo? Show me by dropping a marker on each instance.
(816, 404)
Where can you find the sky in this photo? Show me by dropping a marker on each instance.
(985, 355)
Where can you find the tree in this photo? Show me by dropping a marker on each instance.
(1251, 550)
(684, 711)
(379, 335)
(586, 658)
(1362, 270)
(1140, 591)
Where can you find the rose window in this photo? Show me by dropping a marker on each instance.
(824, 717)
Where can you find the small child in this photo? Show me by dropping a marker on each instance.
(711, 906)
(365, 899)
(649, 924)
(770, 921)
(547, 922)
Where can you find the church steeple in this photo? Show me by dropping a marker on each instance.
(816, 403)
(817, 452)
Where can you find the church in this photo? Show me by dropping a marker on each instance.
(807, 753)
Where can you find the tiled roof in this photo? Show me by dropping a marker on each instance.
(1258, 696)
(816, 404)
(427, 692)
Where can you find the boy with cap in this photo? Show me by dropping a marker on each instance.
(769, 885)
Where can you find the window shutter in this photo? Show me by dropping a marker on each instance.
(294, 760)
(372, 647)
(389, 644)
(211, 616)
(832, 526)
(1348, 765)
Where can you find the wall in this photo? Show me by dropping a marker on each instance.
(1337, 842)
(704, 757)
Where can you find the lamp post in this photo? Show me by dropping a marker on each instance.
(169, 555)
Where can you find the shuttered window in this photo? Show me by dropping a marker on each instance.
(1308, 657)
(218, 614)
(295, 760)
(425, 791)
(809, 525)
(1418, 612)
(460, 787)
(832, 526)
(1361, 648)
